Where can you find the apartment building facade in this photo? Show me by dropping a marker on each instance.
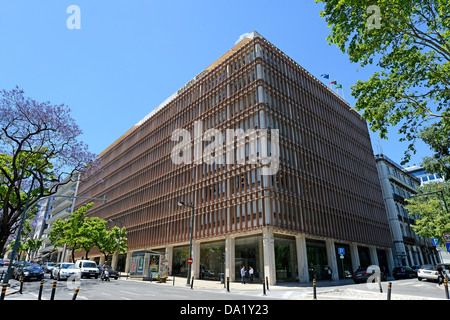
(322, 193)
(399, 184)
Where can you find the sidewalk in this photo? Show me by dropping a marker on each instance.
(325, 290)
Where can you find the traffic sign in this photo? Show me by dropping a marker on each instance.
(446, 237)
(190, 260)
(435, 242)
(341, 251)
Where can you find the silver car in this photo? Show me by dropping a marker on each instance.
(64, 270)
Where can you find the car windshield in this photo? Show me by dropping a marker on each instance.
(427, 267)
(50, 264)
(89, 265)
(67, 265)
(32, 266)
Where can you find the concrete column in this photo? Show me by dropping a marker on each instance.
(373, 256)
(102, 259)
(127, 264)
(331, 256)
(169, 257)
(390, 260)
(302, 258)
(355, 256)
(229, 257)
(195, 267)
(269, 255)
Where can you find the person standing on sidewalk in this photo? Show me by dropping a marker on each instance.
(243, 275)
(250, 273)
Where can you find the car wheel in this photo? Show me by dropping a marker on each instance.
(419, 278)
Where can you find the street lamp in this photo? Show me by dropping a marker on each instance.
(180, 204)
(118, 241)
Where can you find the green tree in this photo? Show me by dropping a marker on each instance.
(70, 231)
(430, 210)
(108, 241)
(409, 40)
(33, 245)
(440, 146)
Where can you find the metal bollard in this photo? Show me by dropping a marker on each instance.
(267, 283)
(21, 285)
(75, 293)
(314, 290)
(379, 284)
(389, 290)
(446, 289)
(40, 290)
(264, 286)
(192, 283)
(228, 284)
(52, 297)
(173, 279)
(2, 297)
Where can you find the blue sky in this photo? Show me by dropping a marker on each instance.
(129, 56)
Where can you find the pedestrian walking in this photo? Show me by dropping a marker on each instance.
(439, 269)
(250, 273)
(330, 273)
(243, 272)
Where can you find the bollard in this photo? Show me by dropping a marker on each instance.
(314, 290)
(2, 297)
(446, 289)
(21, 285)
(173, 279)
(75, 293)
(52, 297)
(40, 290)
(267, 283)
(389, 290)
(379, 284)
(264, 286)
(228, 284)
(192, 283)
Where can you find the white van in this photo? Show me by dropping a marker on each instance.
(88, 268)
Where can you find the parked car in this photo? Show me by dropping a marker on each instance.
(88, 268)
(64, 270)
(48, 266)
(428, 272)
(5, 262)
(404, 273)
(112, 273)
(362, 274)
(29, 271)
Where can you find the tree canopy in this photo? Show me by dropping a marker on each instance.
(409, 41)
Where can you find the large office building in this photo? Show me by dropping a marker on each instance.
(299, 183)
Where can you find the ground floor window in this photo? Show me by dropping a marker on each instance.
(286, 259)
(249, 253)
(364, 257)
(344, 263)
(212, 260)
(179, 263)
(317, 260)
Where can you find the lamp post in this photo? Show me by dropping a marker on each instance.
(180, 203)
(118, 241)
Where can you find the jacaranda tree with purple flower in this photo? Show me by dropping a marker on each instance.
(38, 144)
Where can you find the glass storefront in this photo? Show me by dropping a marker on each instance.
(179, 262)
(364, 257)
(249, 252)
(317, 260)
(212, 262)
(286, 259)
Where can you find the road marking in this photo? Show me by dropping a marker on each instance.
(127, 292)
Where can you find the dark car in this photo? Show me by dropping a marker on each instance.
(29, 271)
(362, 274)
(403, 273)
(112, 273)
